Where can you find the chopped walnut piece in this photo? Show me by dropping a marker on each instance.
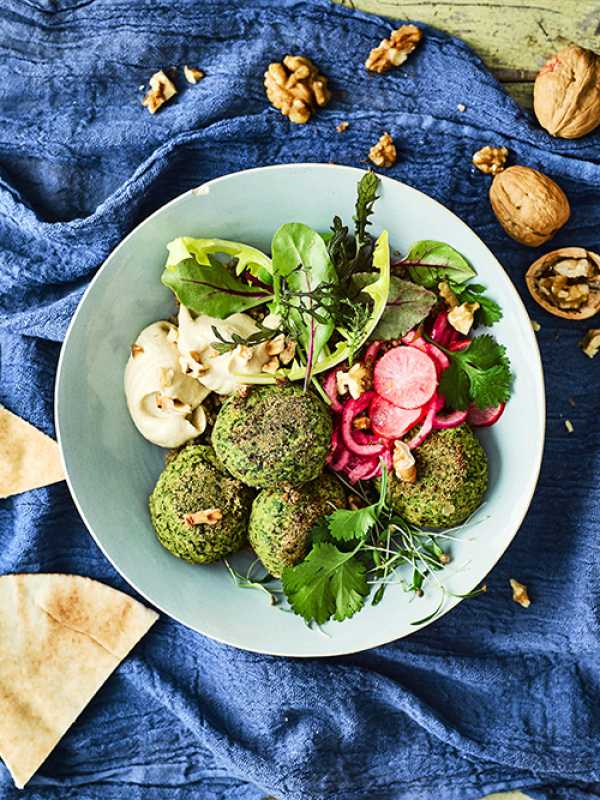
(244, 390)
(447, 294)
(520, 595)
(405, 467)
(383, 153)
(490, 160)
(271, 366)
(342, 126)
(288, 352)
(209, 516)
(362, 423)
(275, 346)
(569, 426)
(161, 89)
(356, 381)
(535, 325)
(394, 51)
(590, 344)
(193, 74)
(296, 88)
(136, 350)
(461, 318)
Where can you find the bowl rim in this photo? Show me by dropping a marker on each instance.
(535, 366)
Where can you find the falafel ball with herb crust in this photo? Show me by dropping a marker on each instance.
(452, 476)
(194, 482)
(282, 519)
(274, 435)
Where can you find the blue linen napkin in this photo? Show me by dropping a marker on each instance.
(491, 696)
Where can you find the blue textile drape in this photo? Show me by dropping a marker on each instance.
(489, 697)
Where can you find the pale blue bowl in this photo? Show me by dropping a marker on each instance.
(111, 469)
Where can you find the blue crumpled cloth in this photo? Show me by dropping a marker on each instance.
(490, 697)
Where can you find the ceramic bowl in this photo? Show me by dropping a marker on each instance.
(111, 469)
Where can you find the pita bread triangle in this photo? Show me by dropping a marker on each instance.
(28, 458)
(61, 636)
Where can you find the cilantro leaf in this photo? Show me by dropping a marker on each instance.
(489, 310)
(480, 374)
(346, 525)
(327, 583)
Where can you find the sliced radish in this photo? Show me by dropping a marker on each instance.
(452, 420)
(391, 421)
(406, 377)
(330, 388)
(442, 361)
(484, 417)
(352, 408)
(426, 427)
(441, 330)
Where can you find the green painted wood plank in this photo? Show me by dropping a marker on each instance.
(513, 37)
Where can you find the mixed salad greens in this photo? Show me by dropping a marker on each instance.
(387, 345)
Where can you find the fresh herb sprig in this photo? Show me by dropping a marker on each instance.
(263, 334)
(354, 551)
(351, 255)
(479, 374)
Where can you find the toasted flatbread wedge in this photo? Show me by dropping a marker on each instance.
(61, 636)
(28, 458)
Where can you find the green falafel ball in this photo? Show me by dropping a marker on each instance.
(452, 476)
(191, 482)
(273, 436)
(281, 520)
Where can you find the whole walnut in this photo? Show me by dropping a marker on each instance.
(530, 206)
(566, 93)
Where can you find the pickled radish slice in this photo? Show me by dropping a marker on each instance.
(406, 377)
(352, 408)
(484, 417)
(426, 426)
(391, 421)
(451, 420)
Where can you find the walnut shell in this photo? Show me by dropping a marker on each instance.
(566, 93)
(529, 206)
(550, 268)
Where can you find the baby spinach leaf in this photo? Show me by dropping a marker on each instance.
(429, 262)
(408, 304)
(211, 289)
(301, 260)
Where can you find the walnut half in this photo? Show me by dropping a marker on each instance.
(394, 51)
(566, 282)
(296, 88)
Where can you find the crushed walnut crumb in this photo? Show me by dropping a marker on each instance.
(208, 516)
(193, 74)
(288, 352)
(536, 325)
(136, 350)
(271, 366)
(519, 593)
(590, 344)
(342, 126)
(383, 153)
(275, 346)
(461, 107)
(394, 51)
(569, 426)
(161, 89)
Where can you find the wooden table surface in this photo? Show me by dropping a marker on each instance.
(513, 37)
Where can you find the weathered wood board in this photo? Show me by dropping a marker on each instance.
(513, 37)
